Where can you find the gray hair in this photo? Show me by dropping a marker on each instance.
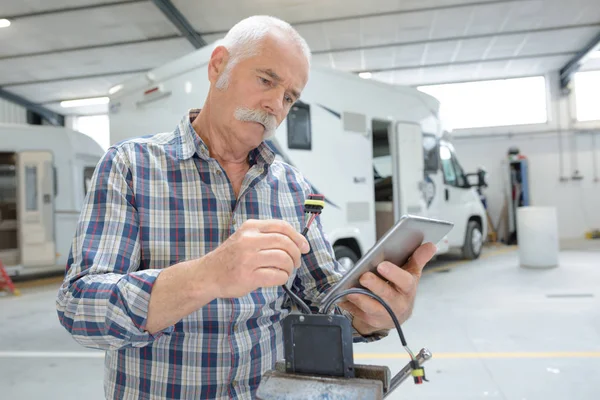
(242, 41)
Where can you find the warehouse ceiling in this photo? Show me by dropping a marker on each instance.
(57, 50)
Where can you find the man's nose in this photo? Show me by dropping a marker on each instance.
(273, 102)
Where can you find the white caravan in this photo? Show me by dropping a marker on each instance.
(359, 142)
(44, 175)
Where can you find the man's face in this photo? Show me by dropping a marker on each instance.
(261, 90)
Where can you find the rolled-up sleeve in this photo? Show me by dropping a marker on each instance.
(103, 301)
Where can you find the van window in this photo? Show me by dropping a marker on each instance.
(88, 173)
(461, 179)
(430, 152)
(298, 126)
(453, 172)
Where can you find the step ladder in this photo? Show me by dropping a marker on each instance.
(6, 282)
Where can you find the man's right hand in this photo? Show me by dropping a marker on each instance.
(261, 253)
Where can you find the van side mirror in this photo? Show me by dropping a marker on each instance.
(478, 179)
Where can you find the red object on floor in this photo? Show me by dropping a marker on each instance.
(5, 281)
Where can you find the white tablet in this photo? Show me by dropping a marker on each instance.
(395, 246)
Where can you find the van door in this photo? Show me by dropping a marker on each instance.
(407, 166)
(457, 196)
(36, 208)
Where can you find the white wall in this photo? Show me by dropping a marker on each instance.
(12, 113)
(577, 201)
(95, 126)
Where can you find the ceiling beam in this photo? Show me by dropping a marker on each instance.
(70, 9)
(91, 47)
(573, 65)
(448, 39)
(180, 22)
(468, 62)
(49, 115)
(467, 80)
(73, 78)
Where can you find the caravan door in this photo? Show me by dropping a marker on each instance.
(406, 144)
(35, 209)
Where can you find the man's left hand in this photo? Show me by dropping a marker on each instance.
(398, 292)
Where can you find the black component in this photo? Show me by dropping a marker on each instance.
(418, 379)
(314, 208)
(318, 345)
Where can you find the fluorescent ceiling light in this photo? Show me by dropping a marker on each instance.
(115, 89)
(93, 101)
(4, 23)
(365, 75)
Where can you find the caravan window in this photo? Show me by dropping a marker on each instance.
(298, 126)
(31, 192)
(88, 172)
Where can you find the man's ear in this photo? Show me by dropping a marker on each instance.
(218, 62)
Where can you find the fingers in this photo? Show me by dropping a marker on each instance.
(402, 280)
(370, 309)
(277, 241)
(277, 259)
(419, 258)
(379, 287)
(281, 227)
(269, 277)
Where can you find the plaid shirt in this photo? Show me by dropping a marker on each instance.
(155, 202)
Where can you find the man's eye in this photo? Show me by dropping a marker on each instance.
(264, 81)
(289, 100)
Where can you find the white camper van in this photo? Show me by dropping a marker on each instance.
(360, 143)
(44, 173)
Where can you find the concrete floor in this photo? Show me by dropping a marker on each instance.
(496, 331)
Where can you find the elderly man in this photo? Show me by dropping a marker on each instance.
(186, 238)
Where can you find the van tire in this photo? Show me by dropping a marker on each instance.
(345, 256)
(471, 250)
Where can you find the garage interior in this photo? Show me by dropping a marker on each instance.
(512, 314)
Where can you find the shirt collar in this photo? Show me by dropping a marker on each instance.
(190, 143)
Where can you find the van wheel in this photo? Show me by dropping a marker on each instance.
(345, 256)
(473, 241)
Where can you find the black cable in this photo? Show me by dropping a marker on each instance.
(331, 301)
(297, 300)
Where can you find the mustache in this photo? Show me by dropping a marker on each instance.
(260, 116)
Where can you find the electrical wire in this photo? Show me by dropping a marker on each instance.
(310, 221)
(327, 306)
(299, 302)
